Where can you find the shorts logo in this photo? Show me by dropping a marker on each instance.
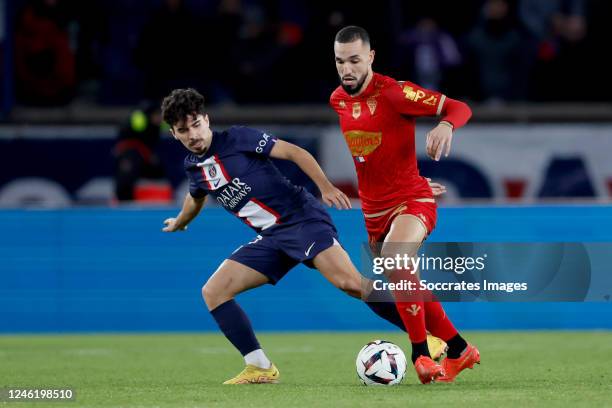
(256, 240)
(309, 248)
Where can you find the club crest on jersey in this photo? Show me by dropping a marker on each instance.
(213, 174)
(371, 105)
(356, 110)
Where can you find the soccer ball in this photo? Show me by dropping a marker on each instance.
(381, 363)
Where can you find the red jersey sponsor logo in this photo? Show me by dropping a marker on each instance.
(362, 143)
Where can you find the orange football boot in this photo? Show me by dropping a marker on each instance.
(427, 369)
(453, 366)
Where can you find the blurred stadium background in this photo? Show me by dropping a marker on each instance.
(88, 173)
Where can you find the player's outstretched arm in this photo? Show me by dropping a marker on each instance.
(191, 208)
(304, 160)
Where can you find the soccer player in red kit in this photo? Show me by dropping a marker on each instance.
(377, 117)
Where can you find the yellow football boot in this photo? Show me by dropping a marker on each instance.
(437, 347)
(256, 375)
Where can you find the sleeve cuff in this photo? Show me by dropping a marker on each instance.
(441, 105)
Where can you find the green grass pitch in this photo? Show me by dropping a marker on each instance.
(519, 369)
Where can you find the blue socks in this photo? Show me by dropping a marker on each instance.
(236, 326)
(383, 304)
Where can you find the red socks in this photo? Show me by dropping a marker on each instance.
(420, 311)
(410, 306)
(437, 321)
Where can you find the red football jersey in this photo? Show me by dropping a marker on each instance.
(379, 129)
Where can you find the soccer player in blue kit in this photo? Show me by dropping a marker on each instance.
(233, 168)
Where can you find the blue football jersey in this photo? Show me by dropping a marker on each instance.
(236, 170)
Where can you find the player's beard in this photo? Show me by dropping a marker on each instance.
(352, 90)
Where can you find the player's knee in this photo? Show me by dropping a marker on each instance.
(205, 292)
(214, 295)
(208, 294)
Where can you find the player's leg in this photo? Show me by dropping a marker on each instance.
(460, 354)
(315, 243)
(436, 320)
(252, 265)
(425, 308)
(404, 238)
(336, 266)
(230, 279)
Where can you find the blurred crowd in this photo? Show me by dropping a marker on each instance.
(275, 51)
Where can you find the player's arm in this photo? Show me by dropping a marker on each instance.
(410, 99)
(191, 208)
(439, 139)
(304, 160)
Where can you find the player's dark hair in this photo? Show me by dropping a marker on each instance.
(180, 103)
(352, 33)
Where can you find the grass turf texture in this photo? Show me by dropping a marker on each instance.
(317, 369)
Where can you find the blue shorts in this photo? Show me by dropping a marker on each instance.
(274, 253)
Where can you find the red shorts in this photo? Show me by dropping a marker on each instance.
(378, 224)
